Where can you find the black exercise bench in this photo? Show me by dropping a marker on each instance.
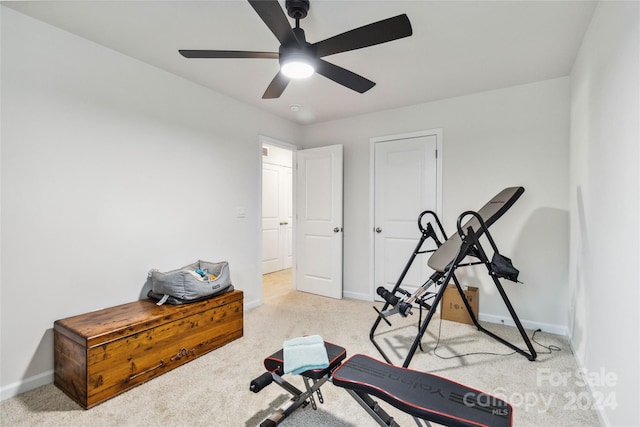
(424, 396)
(313, 380)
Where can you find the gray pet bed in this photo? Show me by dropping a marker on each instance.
(193, 282)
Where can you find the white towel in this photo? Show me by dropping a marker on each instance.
(304, 354)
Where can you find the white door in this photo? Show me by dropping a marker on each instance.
(277, 215)
(286, 207)
(319, 221)
(405, 184)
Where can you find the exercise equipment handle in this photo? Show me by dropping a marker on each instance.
(429, 230)
(261, 382)
(387, 296)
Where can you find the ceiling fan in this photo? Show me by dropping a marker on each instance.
(299, 58)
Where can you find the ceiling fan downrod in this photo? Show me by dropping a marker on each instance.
(297, 9)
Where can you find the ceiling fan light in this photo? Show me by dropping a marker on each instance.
(297, 69)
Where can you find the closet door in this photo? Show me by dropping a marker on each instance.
(277, 222)
(405, 185)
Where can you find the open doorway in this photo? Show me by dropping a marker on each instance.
(277, 218)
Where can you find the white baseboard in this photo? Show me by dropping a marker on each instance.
(490, 318)
(248, 305)
(45, 378)
(12, 390)
(604, 420)
(357, 295)
(527, 324)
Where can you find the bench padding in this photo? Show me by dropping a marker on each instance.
(335, 353)
(422, 395)
(489, 213)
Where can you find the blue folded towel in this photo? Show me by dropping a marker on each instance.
(304, 354)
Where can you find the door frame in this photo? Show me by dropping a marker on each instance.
(372, 141)
(262, 139)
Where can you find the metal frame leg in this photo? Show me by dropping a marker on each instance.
(419, 422)
(299, 398)
(373, 409)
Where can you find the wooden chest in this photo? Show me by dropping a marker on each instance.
(101, 354)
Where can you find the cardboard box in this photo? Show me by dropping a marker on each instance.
(453, 308)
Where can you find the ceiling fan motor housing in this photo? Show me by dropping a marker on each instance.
(306, 53)
(297, 9)
(299, 58)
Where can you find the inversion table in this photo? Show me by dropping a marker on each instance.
(445, 260)
(423, 396)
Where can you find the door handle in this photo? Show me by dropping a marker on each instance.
(378, 230)
(284, 223)
(337, 229)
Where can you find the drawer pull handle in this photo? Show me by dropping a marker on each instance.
(183, 353)
(160, 365)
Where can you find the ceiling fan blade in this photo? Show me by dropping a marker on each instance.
(276, 87)
(227, 54)
(369, 35)
(343, 76)
(272, 14)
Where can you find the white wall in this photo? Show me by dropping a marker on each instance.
(111, 167)
(510, 137)
(605, 207)
(278, 156)
(101, 155)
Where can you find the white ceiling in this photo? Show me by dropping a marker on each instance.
(457, 47)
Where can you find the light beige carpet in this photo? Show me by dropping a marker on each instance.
(214, 389)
